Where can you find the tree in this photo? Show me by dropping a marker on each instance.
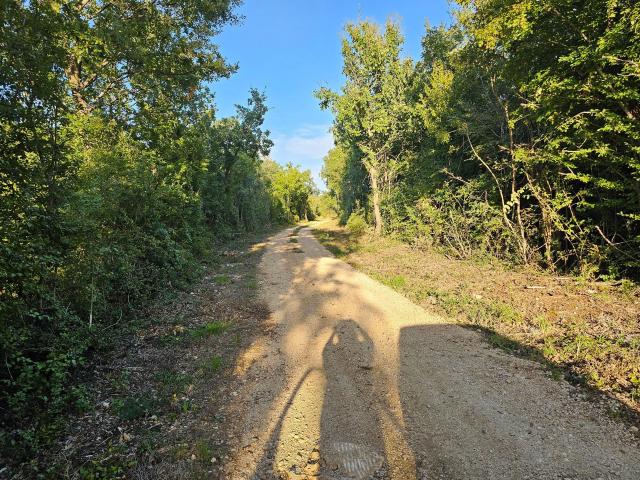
(242, 133)
(573, 107)
(372, 112)
(517, 130)
(123, 52)
(346, 180)
(110, 162)
(240, 136)
(293, 188)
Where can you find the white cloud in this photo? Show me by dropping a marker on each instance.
(310, 147)
(306, 147)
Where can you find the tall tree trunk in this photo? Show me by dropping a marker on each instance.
(375, 189)
(74, 77)
(515, 197)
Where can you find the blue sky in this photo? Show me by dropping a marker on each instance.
(290, 48)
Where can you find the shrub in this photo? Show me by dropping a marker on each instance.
(458, 220)
(356, 224)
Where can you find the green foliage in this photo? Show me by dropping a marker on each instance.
(211, 328)
(291, 190)
(222, 279)
(515, 134)
(116, 179)
(204, 451)
(234, 190)
(324, 205)
(397, 282)
(456, 219)
(356, 225)
(114, 463)
(346, 179)
(372, 111)
(171, 384)
(212, 365)
(131, 408)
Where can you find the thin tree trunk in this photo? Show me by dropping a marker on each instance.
(375, 189)
(547, 225)
(547, 234)
(522, 239)
(515, 197)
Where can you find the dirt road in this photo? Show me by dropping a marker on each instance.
(354, 381)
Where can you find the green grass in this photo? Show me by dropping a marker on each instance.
(172, 384)
(293, 240)
(172, 381)
(112, 463)
(397, 282)
(197, 333)
(120, 381)
(334, 243)
(543, 323)
(204, 451)
(212, 365)
(211, 328)
(149, 441)
(130, 408)
(478, 311)
(222, 279)
(167, 340)
(181, 452)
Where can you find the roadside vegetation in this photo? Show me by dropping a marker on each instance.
(584, 330)
(514, 139)
(158, 399)
(515, 134)
(118, 182)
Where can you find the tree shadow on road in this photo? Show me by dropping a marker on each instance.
(472, 411)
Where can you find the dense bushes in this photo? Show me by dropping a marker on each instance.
(457, 218)
(515, 134)
(291, 190)
(356, 224)
(115, 178)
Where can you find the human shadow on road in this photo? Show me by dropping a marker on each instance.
(350, 432)
(350, 441)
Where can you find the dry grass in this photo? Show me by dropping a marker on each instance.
(587, 330)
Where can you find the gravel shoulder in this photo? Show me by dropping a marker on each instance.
(352, 380)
